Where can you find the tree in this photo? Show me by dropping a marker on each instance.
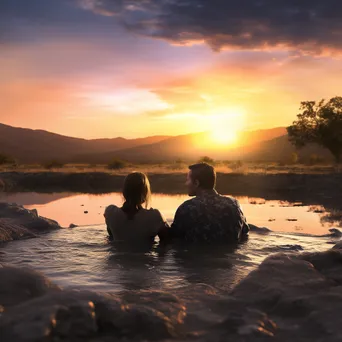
(53, 164)
(319, 123)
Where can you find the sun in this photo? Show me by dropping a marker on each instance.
(225, 128)
(223, 137)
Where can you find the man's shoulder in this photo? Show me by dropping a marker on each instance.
(188, 205)
(228, 200)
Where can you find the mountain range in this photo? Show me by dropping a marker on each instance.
(38, 146)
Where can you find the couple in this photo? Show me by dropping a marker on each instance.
(206, 218)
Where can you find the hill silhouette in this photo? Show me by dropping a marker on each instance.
(185, 147)
(36, 146)
(280, 149)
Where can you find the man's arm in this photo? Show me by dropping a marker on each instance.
(164, 233)
(242, 220)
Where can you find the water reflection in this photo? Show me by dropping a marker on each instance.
(69, 208)
(196, 265)
(134, 267)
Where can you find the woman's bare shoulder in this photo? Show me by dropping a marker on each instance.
(156, 213)
(111, 210)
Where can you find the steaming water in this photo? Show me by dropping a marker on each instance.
(83, 258)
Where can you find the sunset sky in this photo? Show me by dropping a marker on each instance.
(92, 68)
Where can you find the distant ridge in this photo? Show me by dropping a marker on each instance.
(38, 146)
(184, 147)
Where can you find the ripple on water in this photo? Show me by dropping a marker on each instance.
(83, 258)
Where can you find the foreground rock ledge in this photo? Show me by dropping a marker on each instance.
(16, 223)
(289, 297)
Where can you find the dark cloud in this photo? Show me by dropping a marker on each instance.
(308, 25)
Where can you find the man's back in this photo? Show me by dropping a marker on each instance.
(209, 218)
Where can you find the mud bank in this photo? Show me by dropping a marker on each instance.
(323, 189)
(17, 223)
(289, 297)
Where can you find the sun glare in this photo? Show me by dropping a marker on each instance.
(225, 129)
(223, 137)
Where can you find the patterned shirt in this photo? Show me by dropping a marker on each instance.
(208, 218)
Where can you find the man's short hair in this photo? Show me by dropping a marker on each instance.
(205, 175)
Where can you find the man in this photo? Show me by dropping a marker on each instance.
(208, 217)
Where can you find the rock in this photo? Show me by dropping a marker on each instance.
(259, 230)
(51, 316)
(47, 313)
(10, 231)
(301, 294)
(2, 185)
(289, 297)
(334, 232)
(328, 263)
(300, 275)
(12, 210)
(168, 304)
(338, 245)
(256, 323)
(16, 222)
(20, 285)
(73, 225)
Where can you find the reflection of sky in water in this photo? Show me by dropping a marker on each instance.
(69, 208)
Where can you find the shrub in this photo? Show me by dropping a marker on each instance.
(116, 164)
(315, 159)
(53, 164)
(6, 159)
(207, 160)
(294, 158)
(236, 165)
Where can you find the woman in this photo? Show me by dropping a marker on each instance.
(132, 222)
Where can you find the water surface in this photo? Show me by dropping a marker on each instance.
(69, 208)
(83, 258)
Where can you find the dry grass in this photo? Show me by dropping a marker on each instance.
(171, 168)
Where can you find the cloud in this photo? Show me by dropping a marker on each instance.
(23, 21)
(311, 26)
(126, 101)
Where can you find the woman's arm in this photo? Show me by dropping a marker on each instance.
(164, 233)
(164, 228)
(108, 215)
